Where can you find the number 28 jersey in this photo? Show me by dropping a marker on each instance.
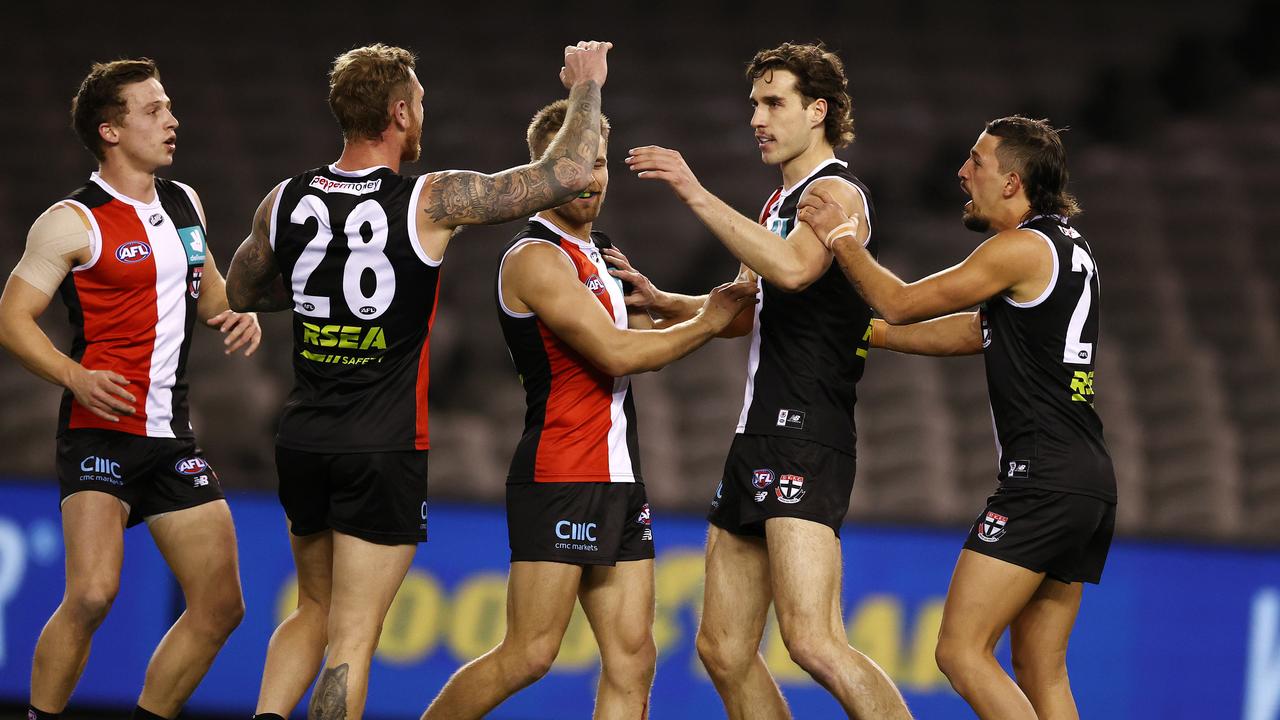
(364, 299)
(1040, 360)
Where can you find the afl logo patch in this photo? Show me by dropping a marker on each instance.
(133, 252)
(761, 479)
(191, 466)
(594, 284)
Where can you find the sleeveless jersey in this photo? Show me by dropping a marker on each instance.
(579, 423)
(808, 348)
(1040, 360)
(133, 305)
(364, 295)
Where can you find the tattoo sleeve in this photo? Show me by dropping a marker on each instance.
(329, 700)
(254, 283)
(469, 198)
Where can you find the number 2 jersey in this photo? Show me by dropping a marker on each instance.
(364, 298)
(1040, 361)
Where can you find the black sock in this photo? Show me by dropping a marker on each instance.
(140, 714)
(35, 714)
(268, 716)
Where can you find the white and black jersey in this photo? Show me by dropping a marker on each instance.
(808, 348)
(1040, 359)
(364, 294)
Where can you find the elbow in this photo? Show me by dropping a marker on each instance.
(896, 309)
(236, 302)
(893, 315)
(616, 366)
(792, 279)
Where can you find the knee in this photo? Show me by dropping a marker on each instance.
(632, 662)
(721, 655)
(220, 612)
(1038, 667)
(954, 659)
(88, 604)
(533, 659)
(815, 653)
(354, 634)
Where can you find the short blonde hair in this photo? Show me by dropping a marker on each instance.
(547, 122)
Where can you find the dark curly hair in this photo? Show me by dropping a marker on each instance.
(819, 74)
(1033, 149)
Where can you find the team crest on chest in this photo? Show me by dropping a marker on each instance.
(194, 289)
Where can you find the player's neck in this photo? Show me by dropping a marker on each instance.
(579, 231)
(1012, 215)
(364, 154)
(799, 167)
(129, 180)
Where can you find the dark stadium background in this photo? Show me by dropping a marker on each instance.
(1174, 147)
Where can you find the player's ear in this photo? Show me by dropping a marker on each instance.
(400, 114)
(1012, 184)
(109, 133)
(817, 112)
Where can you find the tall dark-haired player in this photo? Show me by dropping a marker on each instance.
(354, 250)
(785, 491)
(1048, 527)
(127, 255)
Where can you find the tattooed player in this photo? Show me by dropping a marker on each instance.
(354, 249)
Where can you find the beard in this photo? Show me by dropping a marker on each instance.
(412, 149)
(581, 215)
(974, 221)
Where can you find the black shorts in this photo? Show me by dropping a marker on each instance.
(376, 496)
(579, 523)
(151, 475)
(1064, 535)
(767, 477)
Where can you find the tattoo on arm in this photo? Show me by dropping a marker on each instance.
(847, 262)
(254, 283)
(470, 198)
(329, 701)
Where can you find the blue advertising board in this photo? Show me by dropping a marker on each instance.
(1174, 631)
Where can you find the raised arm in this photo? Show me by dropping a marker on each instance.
(958, 334)
(254, 282)
(1016, 263)
(538, 278)
(791, 263)
(454, 198)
